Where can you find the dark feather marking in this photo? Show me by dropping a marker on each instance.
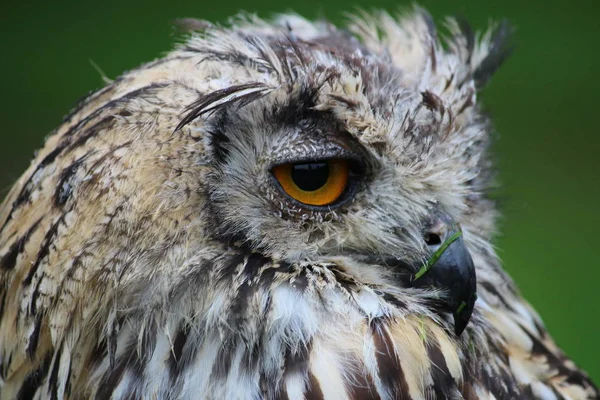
(433, 36)
(432, 102)
(363, 387)
(148, 346)
(9, 260)
(282, 395)
(343, 279)
(298, 108)
(68, 276)
(538, 326)
(314, 391)
(268, 275)
(296, 51)
(231, 56)
(296, 360)
(528, 392)
(266, 378)
(500, 351)
(490, 288)
(175, 363)
(238, 314)
(444, 385)
(251, 354)
(558, 395)
(288, 69)
(128, 361)
(42, 254)
(350, 104)
(111, 380)
(230, 344)
(64, 187)
(266, 60)
(468, 391)
(2, 304)
(53, 379)
(34, 337)
(84, 101)
(44, 251)
(327, 76)
(225, 353)
(217, 128)
(249, 98)
(394, 301)
(389, 366)
(68, 381)
(98, 353)
(500, 383)
(448, 83)
(468, 34)
(34, 380)
(206, 103)
(231, 265)
(499, 51)
(111, 344)
(25, 192)
(102, 125)
(253, 264)
(119, 102)
(299, 282)
(246, 289)
(468, 103)
(218, 138)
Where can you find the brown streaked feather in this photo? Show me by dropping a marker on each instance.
(147, 253)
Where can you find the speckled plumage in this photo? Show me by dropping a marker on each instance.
(148, 253)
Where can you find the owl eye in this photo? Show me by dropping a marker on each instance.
(316, 183)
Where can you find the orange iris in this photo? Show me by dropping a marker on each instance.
(316, 183)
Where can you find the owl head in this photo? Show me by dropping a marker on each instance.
(262, 155)
(362, 147)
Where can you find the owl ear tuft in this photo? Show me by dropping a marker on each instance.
(241, 95)
(494, 48)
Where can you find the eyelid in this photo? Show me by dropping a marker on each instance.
(334, 151)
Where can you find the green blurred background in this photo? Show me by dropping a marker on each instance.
(544, 102)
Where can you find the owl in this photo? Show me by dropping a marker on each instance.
(274, 210)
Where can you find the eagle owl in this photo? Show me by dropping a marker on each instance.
(274, 210)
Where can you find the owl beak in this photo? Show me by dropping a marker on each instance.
(451, 269)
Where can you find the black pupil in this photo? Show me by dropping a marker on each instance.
(310, 176)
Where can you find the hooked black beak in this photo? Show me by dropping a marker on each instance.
(450, 268)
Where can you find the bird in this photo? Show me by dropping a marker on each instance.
(275, 209)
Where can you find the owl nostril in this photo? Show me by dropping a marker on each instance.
(435, 234)
(432, 239)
